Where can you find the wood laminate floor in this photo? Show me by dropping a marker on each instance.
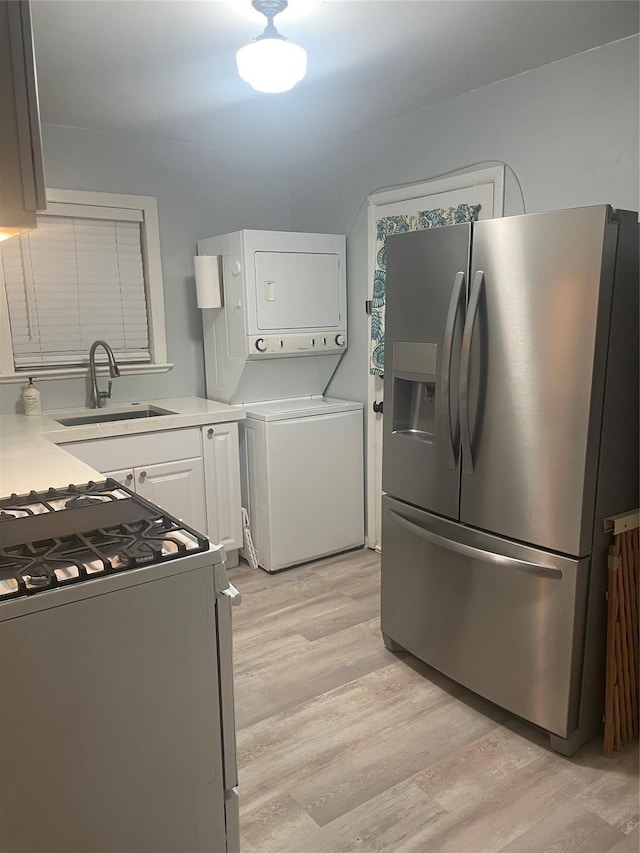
(344, 746)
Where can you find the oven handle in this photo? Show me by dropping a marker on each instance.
(225, 599)
(233, 594)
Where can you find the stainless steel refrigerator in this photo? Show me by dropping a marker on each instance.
(510, 433)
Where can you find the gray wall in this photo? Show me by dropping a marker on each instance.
(569, 130)
(200, 193)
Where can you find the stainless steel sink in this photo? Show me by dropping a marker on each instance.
(103, 417)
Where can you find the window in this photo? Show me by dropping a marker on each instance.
(90, 270)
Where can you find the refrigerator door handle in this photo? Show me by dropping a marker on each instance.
(452, 431)
(465, 359)
(476, 553)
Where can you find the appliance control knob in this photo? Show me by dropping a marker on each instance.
(261, 345)
(340, 340)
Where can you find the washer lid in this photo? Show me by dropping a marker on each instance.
(299, 407)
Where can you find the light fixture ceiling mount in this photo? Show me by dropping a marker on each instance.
(271, 63)
(270, 8)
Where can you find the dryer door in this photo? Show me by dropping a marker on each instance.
(296, 290)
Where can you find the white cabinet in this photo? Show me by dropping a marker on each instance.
(124, 476)
(222, 473)
(193, 473)
(22, 187)
(177, 487)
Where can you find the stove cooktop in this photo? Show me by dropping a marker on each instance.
(63, 536)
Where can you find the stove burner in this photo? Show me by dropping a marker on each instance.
(14, 507)
(85, 500)
(41, 578)
(7, 516)
(134, 533)
(54, 500)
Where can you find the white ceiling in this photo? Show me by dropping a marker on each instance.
(166, 68)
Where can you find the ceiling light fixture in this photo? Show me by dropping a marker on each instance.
(271, 63)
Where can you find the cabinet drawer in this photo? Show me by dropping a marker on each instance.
(129, 451)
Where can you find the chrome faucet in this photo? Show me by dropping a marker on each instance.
(99, 398)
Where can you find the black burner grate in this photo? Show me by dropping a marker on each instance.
(70, 550)
(35, 503)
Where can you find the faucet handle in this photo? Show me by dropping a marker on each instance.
(108, 394)
(104, 395)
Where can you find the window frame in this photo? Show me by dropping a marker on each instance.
(62, 202)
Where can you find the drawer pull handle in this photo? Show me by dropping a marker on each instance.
(477, 553)
(210, 432)
(129, 478)
(143, 474)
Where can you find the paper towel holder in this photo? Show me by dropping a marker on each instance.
(208, 281)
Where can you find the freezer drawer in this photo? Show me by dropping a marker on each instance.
(504, 620)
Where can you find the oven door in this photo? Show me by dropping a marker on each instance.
(503, 619)
(112, 686)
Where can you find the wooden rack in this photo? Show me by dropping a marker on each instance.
(623, 654)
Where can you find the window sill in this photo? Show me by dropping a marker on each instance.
(73, 372)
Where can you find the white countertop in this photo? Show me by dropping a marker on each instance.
(30, 457)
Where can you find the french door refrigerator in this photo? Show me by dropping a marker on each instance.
(510, 433)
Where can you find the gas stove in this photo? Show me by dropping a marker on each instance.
(79, 533)
(116, 638)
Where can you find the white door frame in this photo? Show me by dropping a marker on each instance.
(490, 181)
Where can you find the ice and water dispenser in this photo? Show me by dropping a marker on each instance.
(414, 389)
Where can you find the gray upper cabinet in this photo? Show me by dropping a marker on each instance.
(22, 185)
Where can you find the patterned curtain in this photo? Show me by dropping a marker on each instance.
(397, 225)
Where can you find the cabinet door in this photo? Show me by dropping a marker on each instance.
(22, 190)
(125, 475)
(222, 470)
(177, 487)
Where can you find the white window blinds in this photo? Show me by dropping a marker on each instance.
(74, 280)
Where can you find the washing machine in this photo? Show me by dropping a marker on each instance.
(272, 343)
(303, 478)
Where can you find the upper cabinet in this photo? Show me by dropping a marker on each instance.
(22, 186)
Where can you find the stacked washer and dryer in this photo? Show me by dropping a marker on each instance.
(272, 346)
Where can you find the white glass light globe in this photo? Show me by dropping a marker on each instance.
(272, 64)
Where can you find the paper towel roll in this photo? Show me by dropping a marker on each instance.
(208, 281)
